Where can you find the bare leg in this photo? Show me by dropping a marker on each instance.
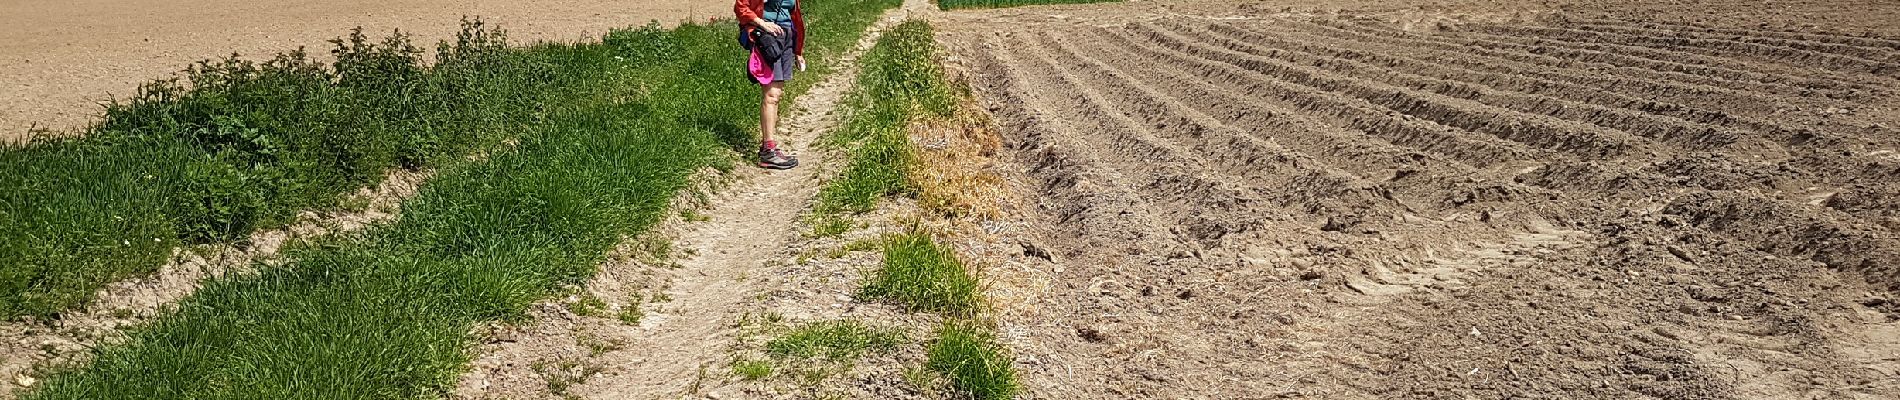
(768, 111)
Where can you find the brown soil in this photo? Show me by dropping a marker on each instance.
(61, 59)
(1455, 200)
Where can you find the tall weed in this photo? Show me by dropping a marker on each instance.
(967, 353)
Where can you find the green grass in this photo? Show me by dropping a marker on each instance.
(830, 225)
(900, 82)
(956, 4)
(834, 340)
(967, 353)
(923, 277)
(237, 146)
(751, 370)
(813, 353)
(632, 313)
(588, 305)
(388, 313)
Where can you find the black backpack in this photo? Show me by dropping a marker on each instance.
(770, 46)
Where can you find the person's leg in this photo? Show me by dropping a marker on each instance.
(768, 112)
(770, 156)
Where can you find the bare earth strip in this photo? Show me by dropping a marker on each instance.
(59, 59)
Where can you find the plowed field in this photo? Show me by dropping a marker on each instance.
(1539, 205)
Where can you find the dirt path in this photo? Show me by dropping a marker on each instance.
(670, 352)
(61, 58)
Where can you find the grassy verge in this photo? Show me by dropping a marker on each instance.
(387, 314)
(956, 4)
(899, 83)
(902, 88)
(237, 146)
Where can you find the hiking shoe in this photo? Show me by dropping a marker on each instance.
(771, 157)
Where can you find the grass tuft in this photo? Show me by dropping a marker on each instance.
(631, 314)
(588, 305)
(923, 277)
(812, 353)
(967, 353)
(841, 340)
(830, 226)
(751, 370)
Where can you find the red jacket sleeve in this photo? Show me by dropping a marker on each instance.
(798, 24)
(746, 11)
